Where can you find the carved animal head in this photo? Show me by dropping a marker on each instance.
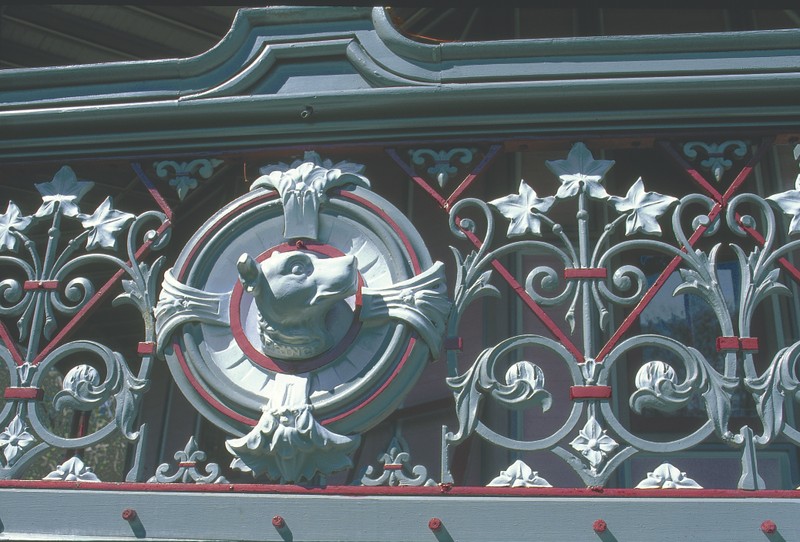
(294, 291)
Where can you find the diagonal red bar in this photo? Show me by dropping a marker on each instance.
(673, 265)
(499, 267)
(691, 171)
(9, 343)
(528, 300)
(416, 178)
(159, 199)
(96, 298)
(783, 262)
(490, 156)
(103, 291)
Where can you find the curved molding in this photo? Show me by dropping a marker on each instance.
(349, 65)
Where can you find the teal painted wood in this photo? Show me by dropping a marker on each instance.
(81, 514)
(356, 73)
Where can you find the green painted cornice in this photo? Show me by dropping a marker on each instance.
(365, 81)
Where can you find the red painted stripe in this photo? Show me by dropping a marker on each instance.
(589, 392)
(654, 289)
(265, 196)
(187, 464)
(487, 159)
(145, 348)
(392, 466)
(156, 195)
(456, 491)
(32, 394)
(10, 344)
(765, 145)
(692, 172)
(417, 179)
(585, 273)
(749, 344)
(537, 310)
(96, 298)
(727, 343)
(210, 399)
(783, 262)
(411, 342)
(40, 285)
(386, 218)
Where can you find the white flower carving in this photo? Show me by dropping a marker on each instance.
(666, 476)
(104, 225)
(644, 208)
(519, 474)
(580, 169)
(66, 190)
(15, 440)
(11, 221)
(73, 470)
(789, 202)
(593, 442)
(521, 210)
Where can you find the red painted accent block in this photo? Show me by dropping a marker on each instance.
(40, 285)
(749, 344)
(187, 464)
(454, 343)
(278, 522)
(589, 392)
(599, 526)
(31, 394)
(435, 524)
(727, 343)
(586, 273)
(145, 348)
(769, 527)
(393, 466)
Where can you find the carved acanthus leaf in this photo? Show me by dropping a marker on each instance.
(396, 462)
(519, 474)
(420, 301)
(789, 203)
(289, 445)
(302, 187)
(666, 476)
(179, 304)
(73, 470)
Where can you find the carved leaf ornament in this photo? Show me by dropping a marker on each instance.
(51, 284)
(589, 275)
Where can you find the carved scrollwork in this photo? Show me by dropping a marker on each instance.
(523, 388)
(442, 167)
(396, 461)
(187, 471)
(715, 160)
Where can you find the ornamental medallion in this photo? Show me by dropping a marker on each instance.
(300, 315)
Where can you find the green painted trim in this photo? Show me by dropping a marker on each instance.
(275, 62)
